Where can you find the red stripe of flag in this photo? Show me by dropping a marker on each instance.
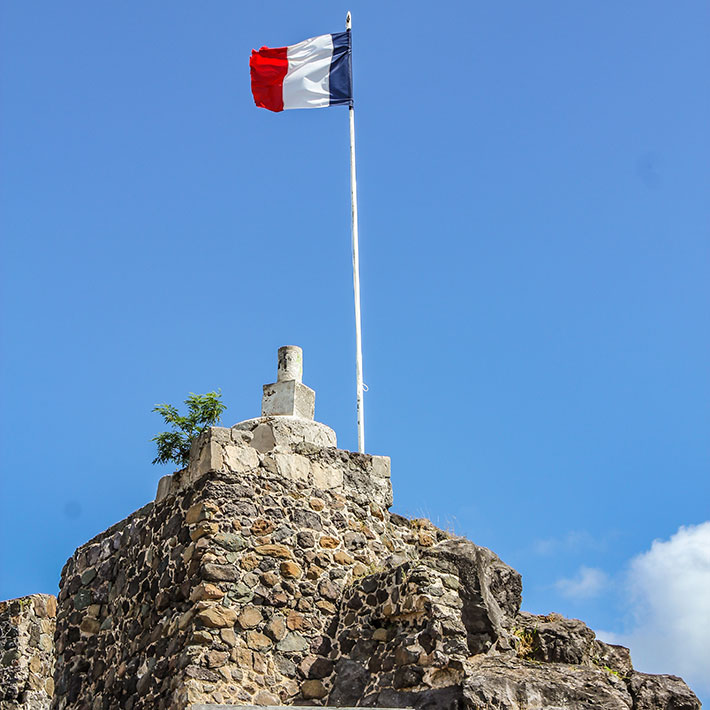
(268, 69)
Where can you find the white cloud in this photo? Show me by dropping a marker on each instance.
(588, 583)
(668, 592)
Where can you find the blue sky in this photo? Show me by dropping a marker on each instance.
(534, 251)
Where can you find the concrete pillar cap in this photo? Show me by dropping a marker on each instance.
(290, 364)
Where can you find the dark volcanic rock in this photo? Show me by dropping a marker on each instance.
(349, 682)
(553, 639)
(608, 655)
(512, 684)
(490, 590)
(449, 698)
(661, 692)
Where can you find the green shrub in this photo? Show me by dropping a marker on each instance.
(204, 410)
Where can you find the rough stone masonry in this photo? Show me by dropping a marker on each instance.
(271, 572)
(27, 652)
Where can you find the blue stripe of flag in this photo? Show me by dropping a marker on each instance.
(341, 75)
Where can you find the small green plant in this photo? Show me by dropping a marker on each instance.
(527, 643)
(598, 662)
(204, 410)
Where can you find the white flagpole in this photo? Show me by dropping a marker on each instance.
(356, 279)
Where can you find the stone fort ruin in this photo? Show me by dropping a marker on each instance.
(270, 572)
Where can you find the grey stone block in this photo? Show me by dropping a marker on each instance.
(283, 433)
(164, 485)
(290, 399)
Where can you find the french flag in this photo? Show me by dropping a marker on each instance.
(315, 73)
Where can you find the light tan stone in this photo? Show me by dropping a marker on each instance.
(44, 605)
(249, 617)
(381, 466)
(314, 572)
(228, 636)
(258, 641)
(279, 599)
(313, 689)
(259, 663)
(317, 504)
(274, 551)
(216, 659)
(202, 529)
(377, 511)
(264, 697)
(329, 542)
(290, 687)
(290, 570)
(210, 459)
(295, 621)
(359, 570)
(202, 637)
(249, 562)
(217, 617)
(293, 466)
(262, 527)
(240, 458)
(245, 658)
(206, 591)
(194, 513)
(200, 511)
(51, 606)
(276, 628)
(263, 440)
(327, 477)
(269, 579)
(305, 665)
(343, 558)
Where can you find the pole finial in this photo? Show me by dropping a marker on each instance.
(348, 21)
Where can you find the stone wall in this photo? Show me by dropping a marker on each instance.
(227, 588)
(26, 652)
(271, 572)
(409, 631)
